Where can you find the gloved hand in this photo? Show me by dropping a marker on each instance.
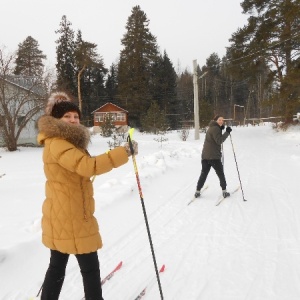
(134, 146)
(222, 127)
(228, 129)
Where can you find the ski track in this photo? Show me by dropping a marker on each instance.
(236, 251)
(157, 221)
(173, 226)
(137, 239)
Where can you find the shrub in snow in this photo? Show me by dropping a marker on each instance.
(160, 139)
(117, 140)
(184, 134)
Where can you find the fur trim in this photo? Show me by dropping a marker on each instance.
(50, 127)
(54, 98)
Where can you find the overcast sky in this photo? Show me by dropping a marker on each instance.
(186, 29)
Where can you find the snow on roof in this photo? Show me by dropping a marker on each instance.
(29, 83)
(108, 104)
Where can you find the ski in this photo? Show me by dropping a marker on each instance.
(112, 273)
(194, 198)
(222, 199)
(151, 283)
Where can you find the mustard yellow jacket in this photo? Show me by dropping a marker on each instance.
(68, 222)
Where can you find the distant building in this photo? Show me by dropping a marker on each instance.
(22, 94)
(118, 114)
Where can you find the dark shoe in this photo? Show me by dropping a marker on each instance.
(197, 194)
(225, 194)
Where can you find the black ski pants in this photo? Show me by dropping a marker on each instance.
(218, 167)
(89, 267)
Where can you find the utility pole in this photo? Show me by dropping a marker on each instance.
(196, 101)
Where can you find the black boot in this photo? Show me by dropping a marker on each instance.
(197, 194)
(225, 193)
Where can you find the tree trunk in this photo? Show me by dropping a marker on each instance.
(11, 143)
(79, 86)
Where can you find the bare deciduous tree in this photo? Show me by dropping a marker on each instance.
(21, 99)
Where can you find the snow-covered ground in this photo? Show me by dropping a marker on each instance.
(236, 251)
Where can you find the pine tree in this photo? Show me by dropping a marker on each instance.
(108, 127)
(93, 92)
(65, 52)
(154, 121)
(29, 59)
(185, 97)
(212, 83)
(136, 60)
(98, 92)
(271, 35)
(86, 58)
(111, 85)
(164, 82)
(94, 89)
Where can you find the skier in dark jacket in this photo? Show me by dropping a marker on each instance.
(211, 154)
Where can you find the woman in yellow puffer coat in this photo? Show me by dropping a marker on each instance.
(68, 222)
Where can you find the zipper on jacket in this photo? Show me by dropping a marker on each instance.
(83, 199)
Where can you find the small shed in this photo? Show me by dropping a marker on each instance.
(118, 114)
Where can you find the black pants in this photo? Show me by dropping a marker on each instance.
(218, 167)
(89, 267)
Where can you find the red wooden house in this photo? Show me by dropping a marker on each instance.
(119, 115)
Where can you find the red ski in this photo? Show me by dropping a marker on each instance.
(151, 283)
(112, 273)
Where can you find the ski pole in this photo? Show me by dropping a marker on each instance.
(237, 167)
(130, 133)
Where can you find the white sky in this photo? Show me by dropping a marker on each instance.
(187, 30)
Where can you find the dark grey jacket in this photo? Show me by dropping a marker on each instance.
(213, 141)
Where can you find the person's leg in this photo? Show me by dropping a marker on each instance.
(204, 172)
(55, 275)
(90, 270)
(218, 167)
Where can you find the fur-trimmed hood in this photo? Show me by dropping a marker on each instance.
(50, 127)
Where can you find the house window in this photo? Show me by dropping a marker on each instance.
(109, 115)
(120, 117)
(99, 117)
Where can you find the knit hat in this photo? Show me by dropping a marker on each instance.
(60, 103)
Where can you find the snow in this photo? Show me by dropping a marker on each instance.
(236, 251)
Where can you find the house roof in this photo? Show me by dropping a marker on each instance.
(28, 83)
(110, 104)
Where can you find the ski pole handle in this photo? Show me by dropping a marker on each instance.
(130, 134)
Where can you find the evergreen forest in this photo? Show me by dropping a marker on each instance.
(259, 77)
